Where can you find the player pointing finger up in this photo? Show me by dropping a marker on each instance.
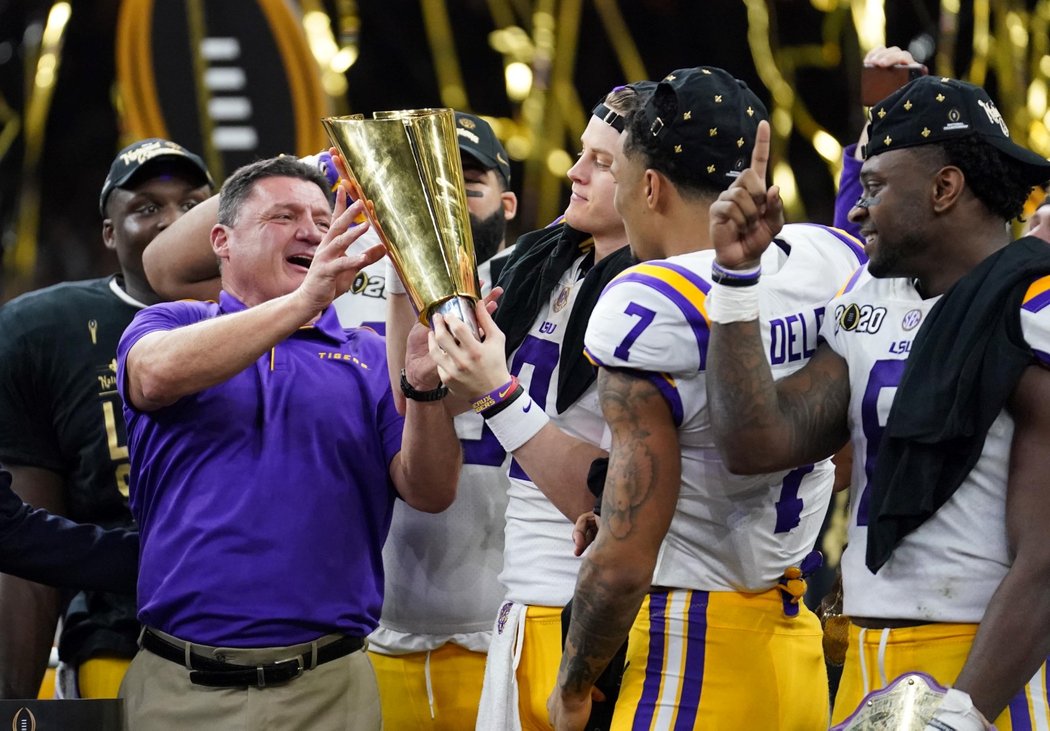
(747, 215)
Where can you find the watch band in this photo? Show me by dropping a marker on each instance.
(435, 394)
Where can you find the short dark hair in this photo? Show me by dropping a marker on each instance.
(996, 179)
(239, 186)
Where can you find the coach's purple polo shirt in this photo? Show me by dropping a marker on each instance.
(264, 501)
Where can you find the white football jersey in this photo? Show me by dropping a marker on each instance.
(729, 532)
(948, 568)
(442, 569)
(539, 567)
(364, 305)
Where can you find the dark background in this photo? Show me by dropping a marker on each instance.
(816, 50)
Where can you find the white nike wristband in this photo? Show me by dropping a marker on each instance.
(727, 304)
(957, 713)
(518, 423)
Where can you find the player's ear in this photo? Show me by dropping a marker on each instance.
(656, 188)
(948, 184)
(108, 237)
(509, 201)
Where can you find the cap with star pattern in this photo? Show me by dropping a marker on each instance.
(932, 109)
(712, 122)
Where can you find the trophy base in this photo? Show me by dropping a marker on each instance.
(460, 306)
(906, 704)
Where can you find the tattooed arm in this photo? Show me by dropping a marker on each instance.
(762, 425)
(641, 491)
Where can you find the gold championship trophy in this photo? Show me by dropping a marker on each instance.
(405, 165)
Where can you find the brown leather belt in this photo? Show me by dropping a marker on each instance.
(217, 674)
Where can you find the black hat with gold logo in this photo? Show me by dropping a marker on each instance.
(932, 109)
(477, 139)
(707, 119)
(134, 160)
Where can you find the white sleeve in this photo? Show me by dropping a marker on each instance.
(650, 318)
(1035, 319)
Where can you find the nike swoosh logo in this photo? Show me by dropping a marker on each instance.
(503, 394)
(526, 407)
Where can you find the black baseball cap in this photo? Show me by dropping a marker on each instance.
(613, 118)
(137, 156)
(477, 139)
(708, 118)
(933, 109)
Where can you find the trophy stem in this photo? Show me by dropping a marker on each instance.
(460, 306)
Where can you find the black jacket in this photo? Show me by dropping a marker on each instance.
(50, 549)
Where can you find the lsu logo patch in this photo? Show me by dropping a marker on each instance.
(561, 300)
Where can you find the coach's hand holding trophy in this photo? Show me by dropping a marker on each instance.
(406, 166)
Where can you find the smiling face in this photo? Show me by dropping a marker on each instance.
(591, 207)
(895, 213)
(267, 250)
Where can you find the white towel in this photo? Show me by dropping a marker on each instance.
(498, 710)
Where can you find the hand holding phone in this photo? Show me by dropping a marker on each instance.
(878, 82)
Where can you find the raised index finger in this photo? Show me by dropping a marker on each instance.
(760, 155)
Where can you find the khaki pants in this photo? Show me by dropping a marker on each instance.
(341, 695)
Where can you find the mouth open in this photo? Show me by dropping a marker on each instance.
(300, 260)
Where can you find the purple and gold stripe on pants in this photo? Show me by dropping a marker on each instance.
(722, 660)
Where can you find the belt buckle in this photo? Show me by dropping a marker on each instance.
(260, 671)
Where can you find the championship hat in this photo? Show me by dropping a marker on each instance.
(707, 119)
(132, 160)
(477, 139)
(932, 109)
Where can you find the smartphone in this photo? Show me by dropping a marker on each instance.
(878, 82)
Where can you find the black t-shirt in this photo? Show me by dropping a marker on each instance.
(59, 410)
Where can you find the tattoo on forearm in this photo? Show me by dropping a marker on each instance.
(601, 618)
(633, 467)
(641, 489)
(810, 414)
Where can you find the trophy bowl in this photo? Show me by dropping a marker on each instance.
(406, 166)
